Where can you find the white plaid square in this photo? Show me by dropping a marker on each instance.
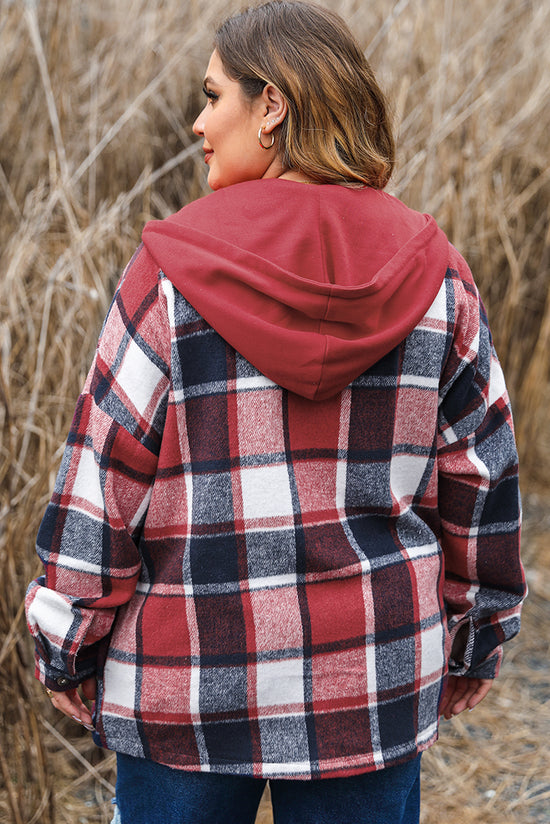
(266, 492)
(138, 377)
(406, 473)
(87, 484)
(280, 683)
(120, 683)
(432, 651)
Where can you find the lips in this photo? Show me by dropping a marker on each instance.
(207, 154)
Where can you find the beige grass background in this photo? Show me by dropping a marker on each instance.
(96, 103)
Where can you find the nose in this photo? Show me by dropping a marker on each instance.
(198, 125)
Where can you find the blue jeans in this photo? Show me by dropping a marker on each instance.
(149, 793)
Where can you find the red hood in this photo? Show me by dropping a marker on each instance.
(311, 284)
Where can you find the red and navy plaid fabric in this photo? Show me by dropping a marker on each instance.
(272, 586)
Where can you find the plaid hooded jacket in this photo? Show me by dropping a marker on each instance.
(288, 503)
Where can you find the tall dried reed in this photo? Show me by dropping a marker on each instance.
(97, 101)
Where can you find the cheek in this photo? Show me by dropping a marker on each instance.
(237, 156)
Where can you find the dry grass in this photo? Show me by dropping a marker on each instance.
(97, 102)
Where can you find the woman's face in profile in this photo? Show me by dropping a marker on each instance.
(229, 125)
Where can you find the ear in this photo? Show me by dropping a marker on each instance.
(275, 108)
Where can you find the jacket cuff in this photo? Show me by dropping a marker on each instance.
(58, 680)
(489, 668)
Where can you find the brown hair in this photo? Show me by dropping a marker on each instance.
(337, 129)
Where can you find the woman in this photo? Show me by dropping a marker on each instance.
(284, 536)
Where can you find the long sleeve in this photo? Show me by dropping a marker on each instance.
(88, 538)
(479, 501)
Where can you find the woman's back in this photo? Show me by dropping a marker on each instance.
(291, 578)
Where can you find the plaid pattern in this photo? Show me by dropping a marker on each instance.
(257, 579)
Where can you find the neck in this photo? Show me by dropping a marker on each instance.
(296, 176)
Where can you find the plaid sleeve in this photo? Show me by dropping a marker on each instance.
(479, 498)
(88, 537)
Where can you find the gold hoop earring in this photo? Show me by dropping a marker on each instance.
(260, 139)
